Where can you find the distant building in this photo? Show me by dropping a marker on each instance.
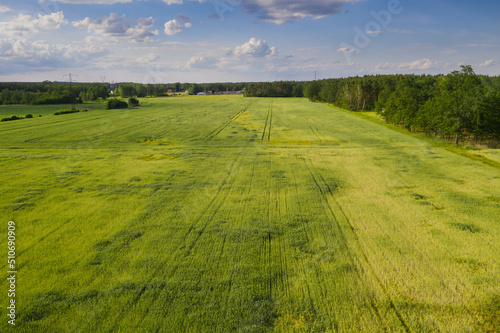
(239, 92)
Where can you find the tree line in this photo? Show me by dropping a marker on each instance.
(275, 89)
(48, 92)
(460, 104)
(452, 106)
(51, 92)
(214, 88)
(156, 90)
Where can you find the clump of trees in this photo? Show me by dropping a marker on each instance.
(195, 89)
(115, 103)
(13, 117)
(460, 104)
(132, 102)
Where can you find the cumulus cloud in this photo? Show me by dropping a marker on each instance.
(4, 9)
(488, 63)
(177, 25)
(40, 55)
(27, 24)
(173, 27)
(254, 55)
(256, 48)
(119, 27)
(283, 11)
(421, 64)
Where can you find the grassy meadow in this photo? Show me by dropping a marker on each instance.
(232, 214)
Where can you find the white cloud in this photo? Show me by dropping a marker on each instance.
(253, 56)
(400, 31)
(119, 27)
(421, 64)
(170, 2)
(346, 50)
(255, 48)
(27, 24)
(149, 58)
(201, 62)
(177, 25)
(173, 27)
(488, 63)
(40, 55)
(283, 11)
(4, 9)
(478, 45)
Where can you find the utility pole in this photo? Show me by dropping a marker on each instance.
(315, 77)
(70, 77)
(103, 78)
(71, 88)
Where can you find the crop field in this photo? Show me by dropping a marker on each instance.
(44, 110)
(232, 214)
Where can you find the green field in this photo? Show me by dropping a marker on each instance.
(45, 110)
(232, 214)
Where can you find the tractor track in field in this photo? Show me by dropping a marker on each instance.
(48, 234)
(219, 129)
(266, 134)
(415, 246)
(185, 248)
(214, 205)
(326, 194)
(314, 129)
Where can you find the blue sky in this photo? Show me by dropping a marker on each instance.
(160, 41)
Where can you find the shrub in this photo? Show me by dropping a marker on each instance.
(65, 112)
(13, 117)
(115, 103)
(28, 115)
(132, 101)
